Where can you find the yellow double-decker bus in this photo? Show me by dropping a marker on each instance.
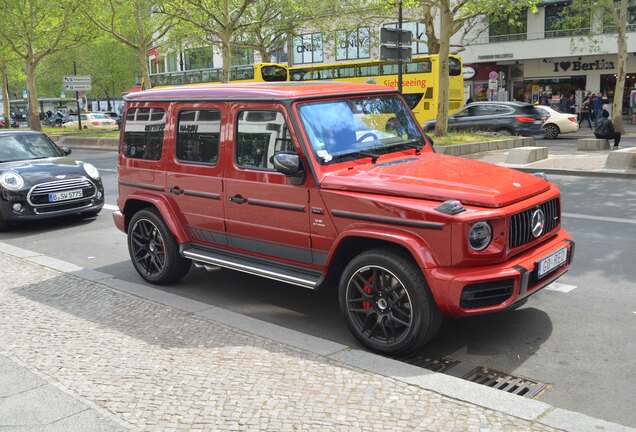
(257, 72)
(419, 80)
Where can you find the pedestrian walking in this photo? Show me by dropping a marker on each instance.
(585, 112)
(571, 104)
(605, 129)
(597, 107)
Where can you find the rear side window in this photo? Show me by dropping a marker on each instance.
(143, 133)
(198, 134)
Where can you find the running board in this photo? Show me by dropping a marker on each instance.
(256, 266)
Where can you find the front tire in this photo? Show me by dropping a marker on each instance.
(386, 302)
(154, 250)
(551, 131)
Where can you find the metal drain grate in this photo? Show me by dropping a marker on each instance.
(503, 381)
(436, 364)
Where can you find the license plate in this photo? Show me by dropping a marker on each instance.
(551, 262)
(67, 195)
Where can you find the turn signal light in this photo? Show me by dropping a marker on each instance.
(524, 119)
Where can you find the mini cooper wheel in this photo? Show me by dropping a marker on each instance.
(551, 131)
(154, 250)
(386, 302)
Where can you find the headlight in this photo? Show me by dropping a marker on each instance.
(11, 180)
(480, 235)
(91, 170)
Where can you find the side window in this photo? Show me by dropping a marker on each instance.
(198, 134)
(143, 134)
(260, 134)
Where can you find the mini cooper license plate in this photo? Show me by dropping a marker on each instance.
(551, 262)
(66, 195)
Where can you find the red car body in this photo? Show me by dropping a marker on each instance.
(307, 231)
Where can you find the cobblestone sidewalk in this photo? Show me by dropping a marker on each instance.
(159, 368)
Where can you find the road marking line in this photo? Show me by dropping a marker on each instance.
(564, 288)
(108, 169)
(599, 218)
(111, 207)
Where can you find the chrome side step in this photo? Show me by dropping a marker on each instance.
(209, 259)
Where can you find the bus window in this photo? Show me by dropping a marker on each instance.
(323, 74)
(300, 75)
(274, 73)
(389, 69)
(346, 72)
(366, 71)
(423, 66)
(454, 67)
(242, 73)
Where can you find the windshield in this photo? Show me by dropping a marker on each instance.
(25, 147)
(359, 126)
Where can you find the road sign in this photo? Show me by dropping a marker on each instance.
(493, 75)
(492, 84)
(389, 35)
(77, 82)
(391, 53)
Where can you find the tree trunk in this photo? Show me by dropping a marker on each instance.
(33, 111)
(142, 55)
(266, 56)
(621, 69)
(441, 124)
(432, 43)
(226, 54)
(108, 105)
(5, 95)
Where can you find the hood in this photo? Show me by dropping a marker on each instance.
(439, 177)
(44, 170)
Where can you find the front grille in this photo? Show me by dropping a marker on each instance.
(39, 194)
(486, 294)
(520, 231)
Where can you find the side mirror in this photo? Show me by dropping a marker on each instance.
(65, 150)
(289, 163)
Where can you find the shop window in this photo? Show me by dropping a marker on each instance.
(352, 44)
(198, 58)
(418, 29)
(609, 26)
(557, 23)
(307, 48)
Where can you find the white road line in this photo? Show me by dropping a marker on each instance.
(599, 218)
(556, 286)
(108, 169)
(110, 207)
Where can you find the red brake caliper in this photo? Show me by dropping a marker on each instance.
(367, 289)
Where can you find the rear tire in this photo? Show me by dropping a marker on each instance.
(153, 249)
(551, 131)
(386, 302)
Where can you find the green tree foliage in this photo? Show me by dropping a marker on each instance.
(33, 30)
(137, 24)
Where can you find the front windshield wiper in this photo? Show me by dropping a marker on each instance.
(415, 143)
(374, 157)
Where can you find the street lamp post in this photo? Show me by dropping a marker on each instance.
(79, 117)
(399, 49)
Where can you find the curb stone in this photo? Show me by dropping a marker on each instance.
(445, 385)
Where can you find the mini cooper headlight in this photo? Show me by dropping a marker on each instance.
(11, 180)
(91, 170)
(480, 235)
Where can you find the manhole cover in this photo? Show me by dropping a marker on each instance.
(435, 364)
(503, 381)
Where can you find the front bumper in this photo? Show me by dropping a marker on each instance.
(498, 287)
(30, 213)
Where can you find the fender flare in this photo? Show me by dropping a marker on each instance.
(165, 210)
(415, 245)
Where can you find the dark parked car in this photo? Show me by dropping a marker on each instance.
(38, 180)
(14, 122)
(511, 118)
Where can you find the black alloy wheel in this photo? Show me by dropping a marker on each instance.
(386, 302)
(154, 250)
(551, 131)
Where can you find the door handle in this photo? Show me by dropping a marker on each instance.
(176, 190)
(238, 199)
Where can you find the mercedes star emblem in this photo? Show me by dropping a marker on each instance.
(538, 222)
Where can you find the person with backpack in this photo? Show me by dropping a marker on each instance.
(585, 111)
(605, 129)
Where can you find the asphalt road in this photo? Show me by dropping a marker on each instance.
(577, 337)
